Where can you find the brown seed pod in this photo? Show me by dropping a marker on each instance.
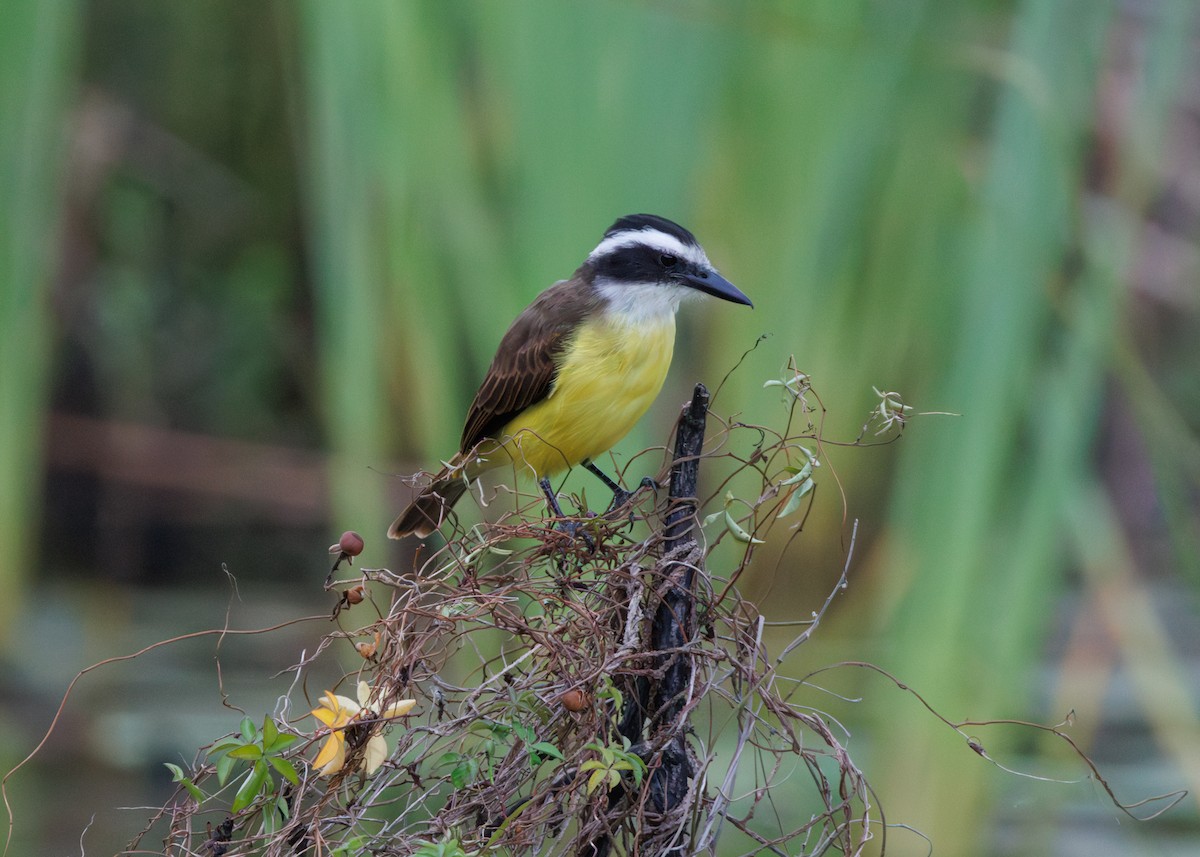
(351, 543)
(354, 595)
(574, 699)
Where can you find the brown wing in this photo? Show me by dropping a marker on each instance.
(524, 368)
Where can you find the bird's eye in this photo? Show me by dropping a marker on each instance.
(667, 260)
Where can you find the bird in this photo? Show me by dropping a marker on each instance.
(578, 367)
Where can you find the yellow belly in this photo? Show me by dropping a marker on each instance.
(609, 377)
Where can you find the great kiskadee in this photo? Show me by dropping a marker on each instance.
(579, 366)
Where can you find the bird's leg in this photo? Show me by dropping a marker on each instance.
(621, 497)
(571, 528)
(551, 499)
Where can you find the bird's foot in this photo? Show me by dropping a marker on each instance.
(574, 529)
(622, 498)
(577, 530)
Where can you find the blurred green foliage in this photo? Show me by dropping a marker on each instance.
(309, 224)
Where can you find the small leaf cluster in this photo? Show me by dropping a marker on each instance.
(448, 847)
(496, 738)
(614, 761)
(260, 749)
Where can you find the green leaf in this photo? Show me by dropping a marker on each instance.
(250, 787)
(500, 731)
(269, 731)
(271, 822)
(738, 532)
(708, 519)
(246, 751)
(275, 815)
(178, 777)
(793, 502)
(249, 733)
(353, 846)
(286, 769)
(281, 742)
(224, 768)
(595, 780)
(464, 774)
(547, 749)
(610, 692)
(800, 474)
(225, 745)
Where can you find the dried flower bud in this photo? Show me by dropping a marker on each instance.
(351, 543)
(355, 594)
(368, 650)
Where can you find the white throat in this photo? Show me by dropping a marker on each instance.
(638, 304)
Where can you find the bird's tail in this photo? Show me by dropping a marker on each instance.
(428, 509)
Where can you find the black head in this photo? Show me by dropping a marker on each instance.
(641, 222)
(645, 249)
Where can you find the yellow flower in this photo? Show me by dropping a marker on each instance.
(339, 713)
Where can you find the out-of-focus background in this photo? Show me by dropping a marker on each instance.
(255, 256)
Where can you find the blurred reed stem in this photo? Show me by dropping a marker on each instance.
(37, 70)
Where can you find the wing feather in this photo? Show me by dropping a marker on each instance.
(526, 363)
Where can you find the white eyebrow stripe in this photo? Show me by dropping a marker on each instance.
(660, 241)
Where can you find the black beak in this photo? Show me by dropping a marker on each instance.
(712, 283)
